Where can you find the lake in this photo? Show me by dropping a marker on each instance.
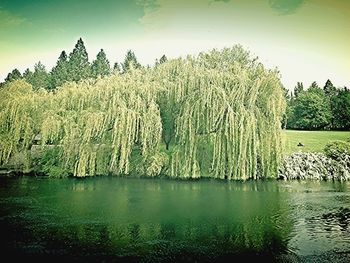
(156, 220)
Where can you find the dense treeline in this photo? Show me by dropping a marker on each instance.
(315, 108)
(318, 108)
(218, 115)
(74, 67)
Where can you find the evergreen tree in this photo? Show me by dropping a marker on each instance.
(299, 88)
(314, 85)
(79, 66)
(341, 109)
(116, 67)
(27, 75)
(130, 61)
(329, 89)
(15, 74)
(59, 73)
(100, 66)
(40, 78)
(163, 59)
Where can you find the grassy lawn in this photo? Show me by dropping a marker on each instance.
(314, 141)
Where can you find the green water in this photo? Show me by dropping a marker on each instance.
(122, 219)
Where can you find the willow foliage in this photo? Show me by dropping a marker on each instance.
(217, 115)
(228, 114)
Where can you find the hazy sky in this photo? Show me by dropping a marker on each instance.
(306, 39)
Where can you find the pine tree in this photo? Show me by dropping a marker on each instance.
(329, 88)
(27, 74)
(40, 78)
(340, 103)
(116, 67)
(163, 59)
(59, 73)
(314, 85)
(299, 88)
(130, 61)
(100, 66)
(15, 74)
(79, 66)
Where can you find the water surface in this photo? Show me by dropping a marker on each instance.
(125, 219)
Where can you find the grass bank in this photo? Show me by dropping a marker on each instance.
(313, 141)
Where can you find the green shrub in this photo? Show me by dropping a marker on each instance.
(336, 149)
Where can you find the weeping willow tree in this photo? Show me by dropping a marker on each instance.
(95, 126)
(217, 115)
(18, 117)
(226, 110)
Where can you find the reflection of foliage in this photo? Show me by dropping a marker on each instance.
(223, 103)
(154, 219)
(286, 6)
(160, 242)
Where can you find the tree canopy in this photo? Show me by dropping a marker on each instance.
(329, 89)
(40, 78)
(218, 115)
(15, 74)
(310, 110)
(130, 61)
(316, 108)
(59, 73)
(78, 65)
(341, 109)
(100, 66)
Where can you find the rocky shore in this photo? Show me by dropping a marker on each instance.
(316, 166)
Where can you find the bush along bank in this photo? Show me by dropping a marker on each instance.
(316, 166)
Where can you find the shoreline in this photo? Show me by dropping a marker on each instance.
(295, 166)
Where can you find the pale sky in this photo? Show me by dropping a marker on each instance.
(307, 40)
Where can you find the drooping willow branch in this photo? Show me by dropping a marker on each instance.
(215, 115)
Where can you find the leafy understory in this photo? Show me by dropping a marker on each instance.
(217, 115)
